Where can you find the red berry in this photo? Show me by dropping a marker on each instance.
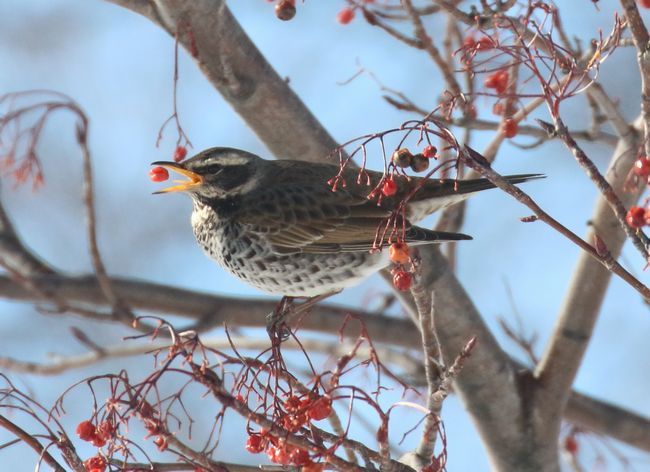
(180, 153)
(255, 444)
(570, 442)
(98, 442)
(402, 280)
(497, 108)
(642, 164)
(345, 16)
(498, 81)
(321, 408)
(389, 188)
(644, 3)
(429, 152)
(509, 128)
(86, 431)
(484, 44)
(292, 404)
(285, 10)
(95, 463)
(299, 457)
(399, 253)
(161, 443)
(278, 455)
(635, 217)
(469, 42)
(158, 174)
(105, 430)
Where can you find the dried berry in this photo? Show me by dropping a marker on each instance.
(402, 280)
(285, 10)
(419, 163)
(402, 158)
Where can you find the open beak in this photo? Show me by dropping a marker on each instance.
(194, 179)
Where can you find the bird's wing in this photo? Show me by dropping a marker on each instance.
(313, 219)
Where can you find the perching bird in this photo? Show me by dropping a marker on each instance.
(278, 225)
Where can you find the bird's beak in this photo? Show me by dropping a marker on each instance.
(194, 179)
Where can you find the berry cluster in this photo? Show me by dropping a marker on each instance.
(637, 216)
(399, 255)
(418, 162)
(298, 412)
(95, 464)
(97, 435)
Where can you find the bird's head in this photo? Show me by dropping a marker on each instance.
(213, 173)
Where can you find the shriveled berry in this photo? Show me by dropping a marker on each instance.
(345, 16)
(180, 153)
(158, 174)
(509, 128)
(389, 187)
(419, 163)
(255, 444)
(402, 157)
(321, 408)
(86, 431)
(430, 152)
(399, 253)
(285, 10)
(642, 165)
(402, 280)
(635, 217)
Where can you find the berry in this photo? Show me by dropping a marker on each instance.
(255, 444)
(509, 128)
(635, 217)
(402, 280)
(278, 455)
(299, 457)
(484, 44)
(161, 443)
(285, 10)
(430, 152)
(345, 16)
(498, 81)
(321, 408)
(95, 464)
(402, 158)
(469, 42)
(292, 404)
(180, 153)
(642, 165)
(644, 3)
(86, 431)
(158, 174)
(497, 108)
(389, 188)
(105, 430)
(419, 163)
(98, 442)
(399, 253)
(570, 443)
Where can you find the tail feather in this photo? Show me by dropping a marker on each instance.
(438, 194)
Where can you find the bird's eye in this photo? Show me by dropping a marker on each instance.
(211, 169)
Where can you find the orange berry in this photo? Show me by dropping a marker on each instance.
(509, 128)
(399, 253)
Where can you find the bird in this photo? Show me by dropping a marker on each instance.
(279, 225)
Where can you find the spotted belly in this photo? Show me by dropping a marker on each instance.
(299, 275)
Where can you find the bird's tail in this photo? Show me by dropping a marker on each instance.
(437, 194)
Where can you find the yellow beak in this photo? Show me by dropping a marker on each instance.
(194, 179)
